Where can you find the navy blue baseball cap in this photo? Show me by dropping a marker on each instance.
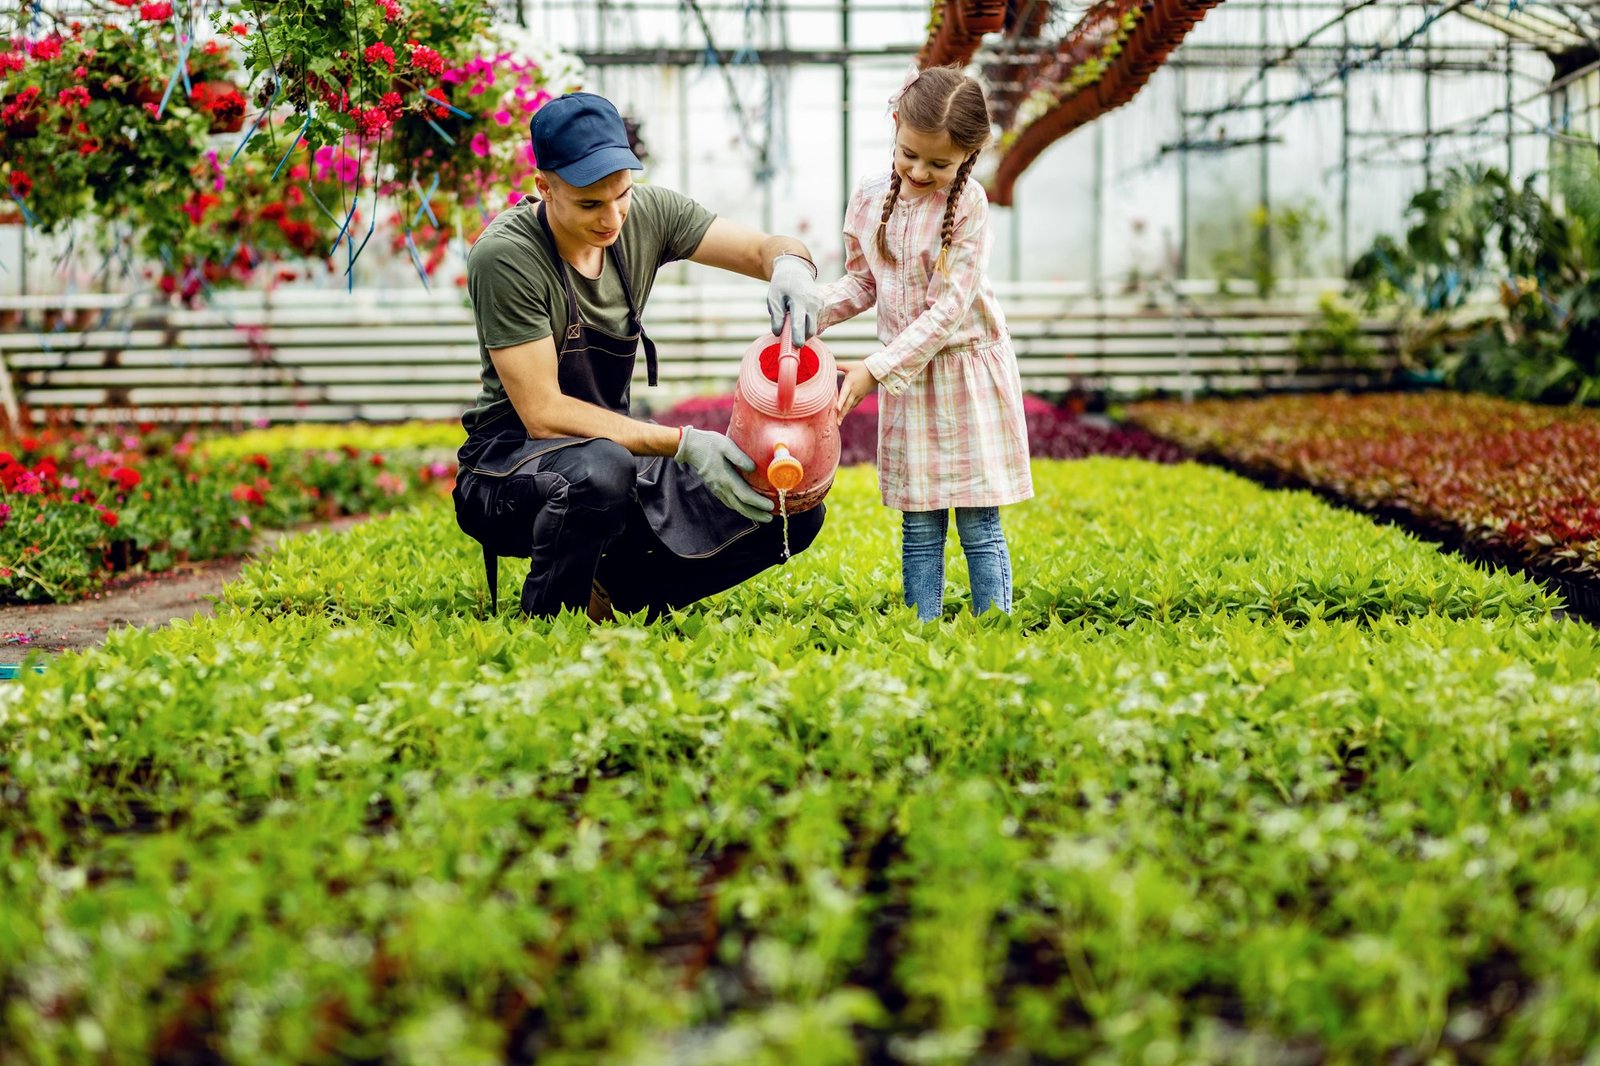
(580, 136)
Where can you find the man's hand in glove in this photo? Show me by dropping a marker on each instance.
(794, 291)
(718, 461)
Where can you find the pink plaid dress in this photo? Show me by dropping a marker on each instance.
(951, 432)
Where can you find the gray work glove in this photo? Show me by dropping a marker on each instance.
(794, 291)
(718, 461)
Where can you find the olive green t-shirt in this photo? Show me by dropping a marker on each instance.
(516, 290)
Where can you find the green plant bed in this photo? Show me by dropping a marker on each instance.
(1223, 838)
(1108, 539)
(1510, 484)
(1148, 818)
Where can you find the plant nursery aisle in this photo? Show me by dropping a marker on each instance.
(1245, 778)
(145, 601)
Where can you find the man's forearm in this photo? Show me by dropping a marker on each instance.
(777, 245)
(563, 416)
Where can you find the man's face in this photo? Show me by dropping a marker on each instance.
(593, 214)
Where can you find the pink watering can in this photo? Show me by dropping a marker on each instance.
(783, 418)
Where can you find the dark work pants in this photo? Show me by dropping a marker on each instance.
(575, 515)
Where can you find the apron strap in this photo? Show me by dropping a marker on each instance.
(635, 323)
(491, 570)
(566, 282)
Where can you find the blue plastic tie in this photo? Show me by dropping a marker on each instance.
(183, 69)
(251, 132)
(416, 260)
(294, 144)
(425, 207)
(27, 216)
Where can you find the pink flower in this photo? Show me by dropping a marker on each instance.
(503, 117)
(480, 145)
(28, 484)
(156, 12)
(516, 197)
(391, 10)
(379, 53)
(5, 514)
(331, 162)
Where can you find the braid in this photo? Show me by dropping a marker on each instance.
(888, 209)
(957, 186)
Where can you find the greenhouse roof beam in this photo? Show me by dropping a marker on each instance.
(1524, 25)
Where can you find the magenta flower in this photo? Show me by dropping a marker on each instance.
(503, 117)
(480, 145)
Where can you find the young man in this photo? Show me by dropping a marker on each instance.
(612, 510)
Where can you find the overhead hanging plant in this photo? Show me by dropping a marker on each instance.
(424, 105)
(84, 128)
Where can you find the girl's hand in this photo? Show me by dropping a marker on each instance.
(858, 384)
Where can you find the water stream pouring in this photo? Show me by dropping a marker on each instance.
(783, 418)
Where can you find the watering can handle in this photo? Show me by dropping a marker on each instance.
(788, 368)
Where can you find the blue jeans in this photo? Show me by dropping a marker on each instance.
(982, 541)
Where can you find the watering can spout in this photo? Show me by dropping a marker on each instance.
(785, 472)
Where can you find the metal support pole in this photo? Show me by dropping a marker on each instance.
(682, 75)
(1511, 116)
(1344, 154)
(1183, 178)
(1266, 161)
(1427, 114)
(845, 187)
(1016, 237)
(1097, 276)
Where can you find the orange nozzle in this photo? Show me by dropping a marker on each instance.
(785, 471)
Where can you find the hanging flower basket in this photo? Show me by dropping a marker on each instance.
(222, 104)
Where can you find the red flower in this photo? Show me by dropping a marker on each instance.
(109, 518)
(392, 101)
(379, 53)
(11, 61)
(89, 147)
(376, 460)
(426, 60)
(391, 10)
(261, 461)
(374, 120)
(21, 184)
(248, 494)
(48, 48)
(239, 29)
(126, 477)
(156, 12)
(76, 96)
(80, 72)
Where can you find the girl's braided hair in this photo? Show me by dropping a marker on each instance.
(941, 100)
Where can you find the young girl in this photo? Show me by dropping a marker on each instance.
(950, 426)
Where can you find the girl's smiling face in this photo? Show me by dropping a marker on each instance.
(926, 161)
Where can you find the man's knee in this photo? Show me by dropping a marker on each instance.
(604, 480)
